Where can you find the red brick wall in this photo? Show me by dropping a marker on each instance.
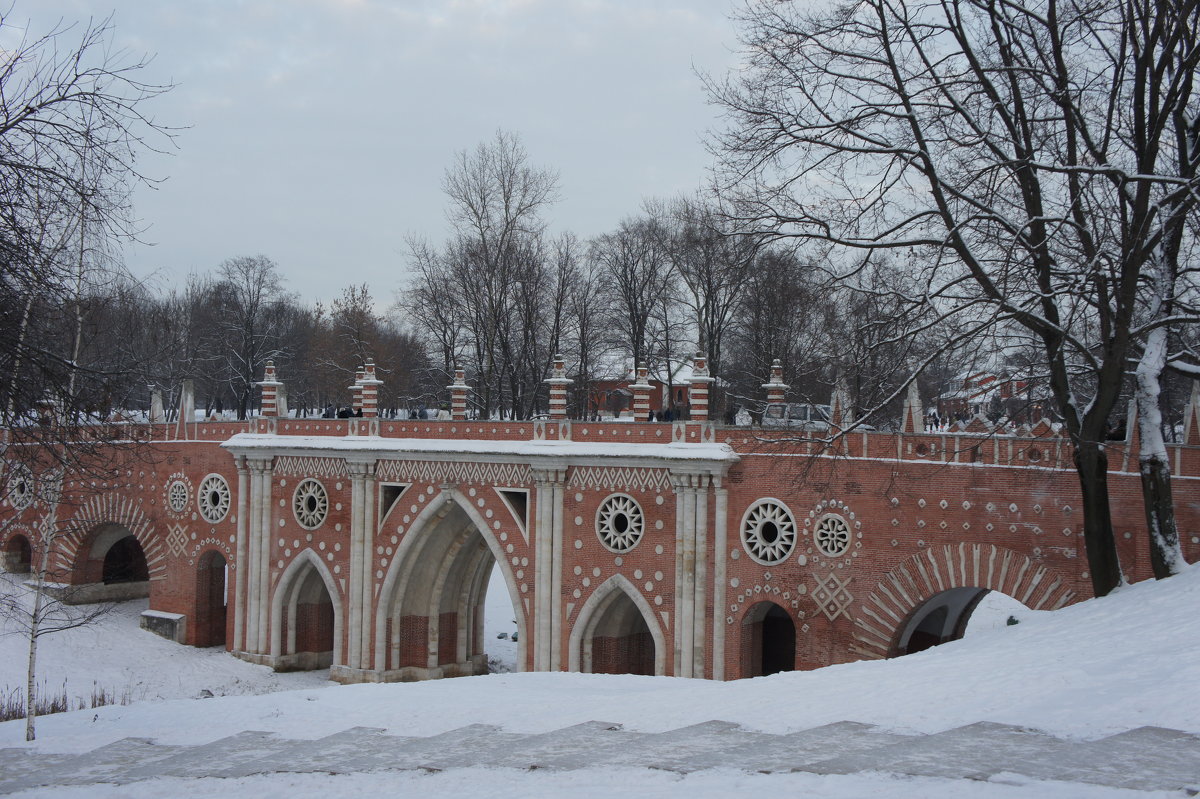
(627, 654)
(447, 638)
(314, 627)
(414, 641)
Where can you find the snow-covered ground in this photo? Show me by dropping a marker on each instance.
(114, 654)
(1084, 672)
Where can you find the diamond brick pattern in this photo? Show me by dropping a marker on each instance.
(831, 595)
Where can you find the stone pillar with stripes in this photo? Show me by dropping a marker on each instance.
(558, 382)
(776, 389)
(698, 390)
(458, 396)
(356, 391)
(370, 390)
(641, 394)
(270, 391)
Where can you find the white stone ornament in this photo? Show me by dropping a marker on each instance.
(20, 486)
(832, 535)
(620, 523)
(213, 498)
(177, 496)
(310, 504)
(769, 532)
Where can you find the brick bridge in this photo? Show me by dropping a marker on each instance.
(684, 548)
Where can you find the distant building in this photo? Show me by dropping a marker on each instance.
(610, 394)
(992, 396)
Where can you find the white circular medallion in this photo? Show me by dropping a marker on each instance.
(768, 532)
(213, 498)
(177, 496)
(832, 535)
(619, 523)
(310, 504)
(20, 486)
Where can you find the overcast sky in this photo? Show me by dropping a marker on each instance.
(317, 131)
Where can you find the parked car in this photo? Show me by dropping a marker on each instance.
(796, 415)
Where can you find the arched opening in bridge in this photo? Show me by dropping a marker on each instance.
(618, 639)
(18, 555)
(501, 637)
(125, 562)
(434, 618)
(941, 618)
(768, 640)
(307, 622)
(109, 565)
(211, 600)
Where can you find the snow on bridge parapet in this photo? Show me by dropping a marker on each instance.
(1039, 447)
(678, 457)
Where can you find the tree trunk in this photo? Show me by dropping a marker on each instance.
(18, 354)
(1091, 463)
(31, 672)
(1166, 558)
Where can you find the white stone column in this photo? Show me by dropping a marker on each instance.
(720, 544)
(556, 567)
(242, 571)
(257, 524)
(685, 574)
(677, 626)
(253, 519)
(360, 563)
(368, 603)
(700, 574)
(265, 531)
(543, 532)
(688, 625)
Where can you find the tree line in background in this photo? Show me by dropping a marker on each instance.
(498, 299)
(502, 295)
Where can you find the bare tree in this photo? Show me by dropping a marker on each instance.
(431, 304)
(251, 299)
(715, 262)
(73, 119)
(778, 322)
(636, 271)
(41, 612)
(481, 296)
(1024, 154)
(356, 326)
(586, 311)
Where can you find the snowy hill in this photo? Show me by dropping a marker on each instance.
(1084, 672)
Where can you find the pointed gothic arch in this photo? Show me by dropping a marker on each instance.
(598, 608)
(882, 618)
(290, 622)
(429, 617)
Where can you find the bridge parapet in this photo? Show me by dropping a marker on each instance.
(1037, 447)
